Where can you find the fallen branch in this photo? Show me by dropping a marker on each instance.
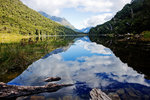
(12, 91)
(50, 79)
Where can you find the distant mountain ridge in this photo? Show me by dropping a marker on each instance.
(59, 20)
(85, 30)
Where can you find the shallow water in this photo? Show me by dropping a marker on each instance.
(87, 65)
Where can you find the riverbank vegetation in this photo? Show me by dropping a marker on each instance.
(11, 38)
(146, 36)
(133, 19)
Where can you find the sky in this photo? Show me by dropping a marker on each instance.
(80, 13)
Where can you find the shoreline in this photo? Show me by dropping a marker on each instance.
(9, 38)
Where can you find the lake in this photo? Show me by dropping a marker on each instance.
(82, 61)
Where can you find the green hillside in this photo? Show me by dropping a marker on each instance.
(133, 18)
(15, 17)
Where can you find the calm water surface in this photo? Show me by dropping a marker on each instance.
(87, 65)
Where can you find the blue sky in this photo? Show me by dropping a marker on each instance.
(80, 13)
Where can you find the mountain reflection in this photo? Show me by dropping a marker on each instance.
(86, 64)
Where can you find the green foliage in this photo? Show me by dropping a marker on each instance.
(146, 34)
(133, 18)
(15, 17)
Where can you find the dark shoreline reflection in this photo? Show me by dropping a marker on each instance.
(135, 53)
(87, 65)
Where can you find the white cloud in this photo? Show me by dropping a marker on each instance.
(95, 6)
(99, 19)
(55, 7)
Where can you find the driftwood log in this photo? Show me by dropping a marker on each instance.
(51, 79)
(13, 91)
(97, 94)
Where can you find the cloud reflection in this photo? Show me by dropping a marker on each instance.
(95, 70)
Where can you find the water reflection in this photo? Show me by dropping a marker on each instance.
(16, 56)
(133, 52)
(87, 65)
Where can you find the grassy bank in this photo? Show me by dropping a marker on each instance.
(11, 38)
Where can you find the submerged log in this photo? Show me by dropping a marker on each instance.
(50, 79)
(12, 91)
(97, 94)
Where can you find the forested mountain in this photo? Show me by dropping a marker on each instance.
(59, 20)
(133, 18)
(15, 17)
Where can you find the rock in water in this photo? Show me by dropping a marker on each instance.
(97, 94)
